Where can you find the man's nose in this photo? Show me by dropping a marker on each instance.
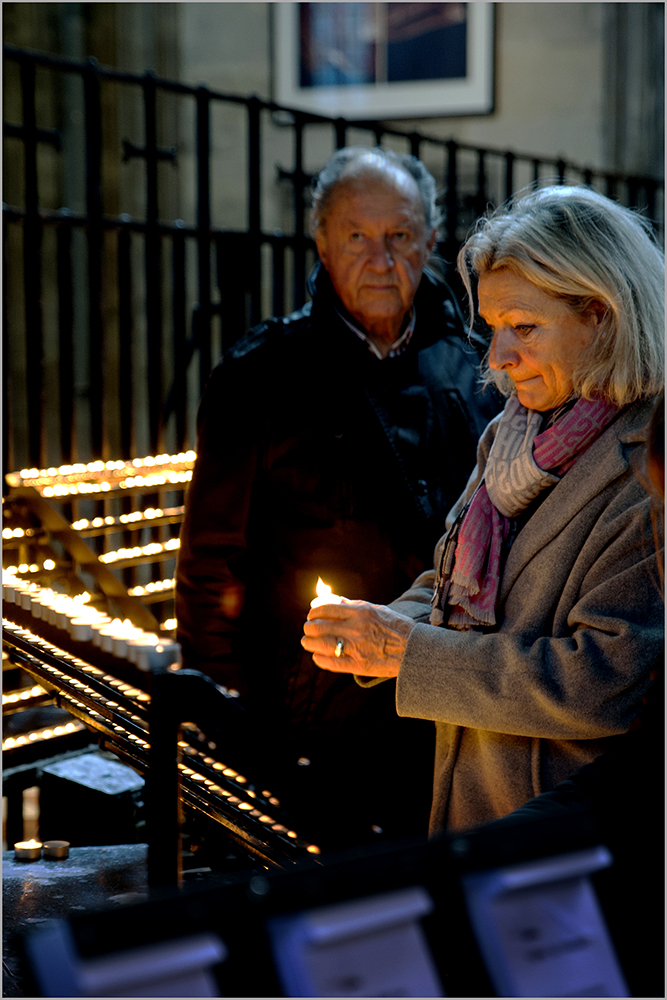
(380, 255)
(503, 353)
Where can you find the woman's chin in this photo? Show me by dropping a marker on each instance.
(535, 397)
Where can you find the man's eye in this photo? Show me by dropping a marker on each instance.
(524, 329)
(401, 237)
(356, 237)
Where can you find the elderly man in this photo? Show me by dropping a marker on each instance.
(332, 442)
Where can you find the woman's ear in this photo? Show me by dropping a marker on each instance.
(597, 310)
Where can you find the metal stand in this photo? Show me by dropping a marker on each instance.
(177, 696)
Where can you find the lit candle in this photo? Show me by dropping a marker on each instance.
(80, 629)
(107, 635)
(56, 850)
(139, 642)
(97, 627)
(28, 850)
(324, 595)
(165, 655)
(40, 606)
(121, 637)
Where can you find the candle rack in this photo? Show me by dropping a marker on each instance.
(187, 735)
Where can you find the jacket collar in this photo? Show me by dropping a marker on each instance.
(605, 461)
(428, 299)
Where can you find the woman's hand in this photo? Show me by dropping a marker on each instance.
(373, 638)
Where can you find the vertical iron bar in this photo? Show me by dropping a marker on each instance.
(650, 189)
(415, 143)
(65, 337)
(588, 177)
(125, 331)
(536, 173)
(340, 127)
(561, 167)
(254, 208)
(93, 130)
(231, 250)
(8, 451)
(481, 181)
(299, 275)
(610, 185)
(153, 270)
(451, 201)
(633, 192)
(278, 302)
(202, 316)
(179, 331)
(32, 266)
(162, 790)
(509, 175)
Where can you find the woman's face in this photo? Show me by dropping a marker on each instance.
(537, 339)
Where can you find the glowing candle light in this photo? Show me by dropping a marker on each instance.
(139, 642)
(324, 595)
(28, 850)
(42, 603)
(107, 634)
(124, 632)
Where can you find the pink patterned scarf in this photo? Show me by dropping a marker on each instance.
(521, 464)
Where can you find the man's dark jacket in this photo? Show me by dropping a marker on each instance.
(316, 458)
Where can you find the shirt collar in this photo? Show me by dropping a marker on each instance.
(396, 348)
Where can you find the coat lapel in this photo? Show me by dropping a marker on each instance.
(597, 467)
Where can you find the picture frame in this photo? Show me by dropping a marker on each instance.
(369, 61)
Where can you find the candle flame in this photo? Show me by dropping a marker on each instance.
(324, 595)
(28, 843)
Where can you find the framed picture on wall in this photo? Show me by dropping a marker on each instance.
(384, 60)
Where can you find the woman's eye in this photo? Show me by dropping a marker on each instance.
(356, 237)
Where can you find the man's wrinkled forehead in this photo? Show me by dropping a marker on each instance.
(371, 170)
(376, 168)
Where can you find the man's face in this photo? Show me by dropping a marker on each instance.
(374, 245)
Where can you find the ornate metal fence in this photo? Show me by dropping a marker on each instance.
(114, 317)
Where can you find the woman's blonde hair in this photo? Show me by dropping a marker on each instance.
(581, 247)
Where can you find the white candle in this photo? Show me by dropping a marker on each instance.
(80, 629)
(161, 656)
(107, 635)
(135, 645)
(324, 595)
(28, 850)
(121, 637)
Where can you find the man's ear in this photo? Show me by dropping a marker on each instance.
(321, 244)
(431, 240)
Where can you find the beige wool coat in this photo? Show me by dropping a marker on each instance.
(581, 627)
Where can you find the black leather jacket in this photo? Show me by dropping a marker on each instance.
(316, 458)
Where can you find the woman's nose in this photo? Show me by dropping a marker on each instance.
(503, 352)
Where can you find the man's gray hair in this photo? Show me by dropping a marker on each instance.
(355, 159)
(581, 247)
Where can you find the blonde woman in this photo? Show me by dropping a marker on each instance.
(532, 641)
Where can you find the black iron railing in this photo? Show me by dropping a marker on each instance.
(149, 302)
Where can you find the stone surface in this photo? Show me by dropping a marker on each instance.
(35, 891)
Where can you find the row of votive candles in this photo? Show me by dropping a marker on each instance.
(31, 850)
(85, 624)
